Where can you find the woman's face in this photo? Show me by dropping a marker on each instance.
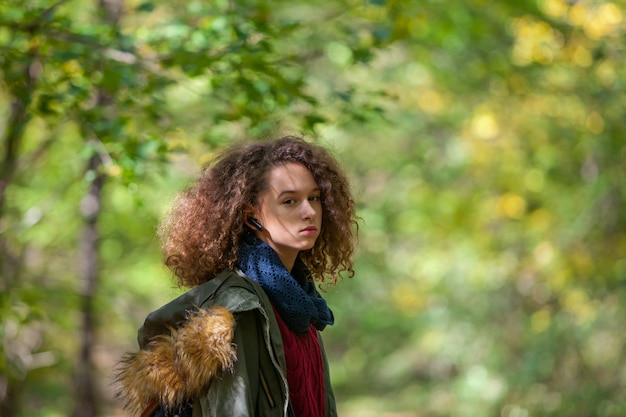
(290, 211)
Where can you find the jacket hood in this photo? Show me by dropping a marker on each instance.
(177, 366)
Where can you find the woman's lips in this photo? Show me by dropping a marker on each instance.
(309, 231)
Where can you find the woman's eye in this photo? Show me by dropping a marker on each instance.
(289, 201)
(315, 198)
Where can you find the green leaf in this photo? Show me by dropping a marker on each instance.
(145, 7)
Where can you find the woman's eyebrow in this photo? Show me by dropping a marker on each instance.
(315, 190)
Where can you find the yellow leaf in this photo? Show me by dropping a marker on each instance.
(540, 320)
(511, 205)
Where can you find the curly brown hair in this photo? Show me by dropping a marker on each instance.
(201, 234)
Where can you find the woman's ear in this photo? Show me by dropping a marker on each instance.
(251, 219)
(253, 222)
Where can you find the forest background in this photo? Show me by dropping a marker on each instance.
(485, 140)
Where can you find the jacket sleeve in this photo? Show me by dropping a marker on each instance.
(175, 367)
(235, 392)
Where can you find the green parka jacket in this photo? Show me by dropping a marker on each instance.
(219, 346)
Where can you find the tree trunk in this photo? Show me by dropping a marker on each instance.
(19, 117)
(87, 396)
(10, 258)
(86, 389)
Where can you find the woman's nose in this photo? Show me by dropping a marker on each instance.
(308, 211)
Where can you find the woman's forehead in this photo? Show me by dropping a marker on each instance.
(291, 177)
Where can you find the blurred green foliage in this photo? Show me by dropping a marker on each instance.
(485, 140)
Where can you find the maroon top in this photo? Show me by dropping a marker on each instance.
(305, 371)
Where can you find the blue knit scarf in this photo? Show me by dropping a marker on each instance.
(293, 295)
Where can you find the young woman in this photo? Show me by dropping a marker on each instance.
(255, 234)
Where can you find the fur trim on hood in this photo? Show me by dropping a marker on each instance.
(176, 367)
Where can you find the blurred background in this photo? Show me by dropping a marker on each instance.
(485, 140)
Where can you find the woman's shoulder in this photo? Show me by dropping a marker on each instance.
(239, 293)
(230, 289)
